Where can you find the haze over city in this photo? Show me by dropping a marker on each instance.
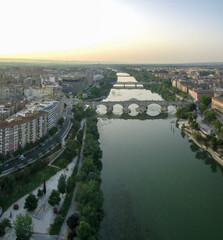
(167, 31)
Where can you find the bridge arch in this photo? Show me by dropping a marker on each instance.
(101, 109)
(154, 109)
(140, 105)
(118, 109)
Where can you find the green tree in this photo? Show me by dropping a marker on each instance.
(44, 187)
(202, 107)
(53, 130)
(54, 198)
(209, 116)
(26, 176)
(7, 183)
(23, 227)
(204, 99)
(80, 95)
(69, 185)
(61, 121)
(214, 144)
(217, 125)
(40, 193)
(76, 125)
(61, 186)
(71, 147)
(31, 202)
(5, 222)
(84, 230)
(73, 221)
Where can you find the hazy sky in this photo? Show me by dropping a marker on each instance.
(143, 31)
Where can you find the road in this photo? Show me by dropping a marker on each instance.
(49, 144)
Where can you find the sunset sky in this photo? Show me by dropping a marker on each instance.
(131, 31)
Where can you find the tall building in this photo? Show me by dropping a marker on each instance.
(52, 108)
(21, 130)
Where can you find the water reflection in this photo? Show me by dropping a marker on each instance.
(121, 224)
(134, 110)
(201, 154)
(127, 94)
(162, 186)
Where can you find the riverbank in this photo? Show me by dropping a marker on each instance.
(208, 149)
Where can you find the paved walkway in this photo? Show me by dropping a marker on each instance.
(41, 225)
(72, 206)
(44, 237)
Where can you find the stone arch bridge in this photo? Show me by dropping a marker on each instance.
(142, 104)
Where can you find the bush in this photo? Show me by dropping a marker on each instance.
(40, 193)
(55, 210)
(54, 198)
(15, 206)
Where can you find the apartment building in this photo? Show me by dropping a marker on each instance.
(7, 92)
(22, 129)
(217, 103)
(52, 108)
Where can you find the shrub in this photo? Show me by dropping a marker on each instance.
(15, 206)
(55, 210)
(54, 198)
(40, 193)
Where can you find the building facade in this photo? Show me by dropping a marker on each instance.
(217, 103)
(21, 130)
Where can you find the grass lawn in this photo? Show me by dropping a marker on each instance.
(63, 161)
(20, 188)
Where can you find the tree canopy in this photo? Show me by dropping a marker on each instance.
(31, 202)
(23, 227)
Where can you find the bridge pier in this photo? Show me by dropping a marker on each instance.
(163, 109)
(109, 109)
(125, 109)
(142, 109)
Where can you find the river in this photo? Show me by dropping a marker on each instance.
(157, 184)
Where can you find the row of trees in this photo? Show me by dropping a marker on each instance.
(89, 195)
(187, 112)
(66, 185)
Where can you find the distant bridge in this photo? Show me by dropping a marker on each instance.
(142, 104)
(132, 84)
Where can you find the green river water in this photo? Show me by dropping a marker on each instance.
(157, 184)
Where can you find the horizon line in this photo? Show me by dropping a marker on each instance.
(103, 62)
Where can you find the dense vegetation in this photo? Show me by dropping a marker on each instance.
(164, 88)
(73, 147)
(13, 186)
(186, 112)
(89, 195)
(104, 85)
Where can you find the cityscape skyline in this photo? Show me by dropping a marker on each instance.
(123, 31)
